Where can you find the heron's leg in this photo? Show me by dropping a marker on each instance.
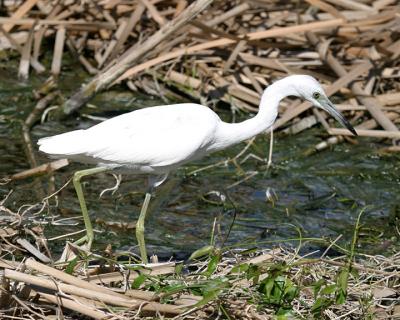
(140, 228)
(153, 182)
(78, 188)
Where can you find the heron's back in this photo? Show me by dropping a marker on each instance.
(143, 140)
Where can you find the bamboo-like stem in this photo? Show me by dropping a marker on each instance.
(275, 32)
(67, 278)
(71, 289)
(104, 79)
(75, 306)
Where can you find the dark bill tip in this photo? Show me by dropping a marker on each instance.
(349, 127)
(330, 108)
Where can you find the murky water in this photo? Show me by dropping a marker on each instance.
(319, 195)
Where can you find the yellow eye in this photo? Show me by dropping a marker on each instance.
(316, 95)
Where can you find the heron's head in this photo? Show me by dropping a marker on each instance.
(310, 89)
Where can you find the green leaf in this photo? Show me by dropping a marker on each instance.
(207, 297)
(138, 281)
(178, 268)
(279, 291)
(212, 265)
(240, 268)
(320, 305)
(329, 289)
(342, 282)
(253, 273)
(284, 314)
(342, 279)
(248, 251)
(71, 265)
(317, 286)
(221, 307)
(266, 287)
(201, 252)
(341, 296)
(174, 288)
(291, 291)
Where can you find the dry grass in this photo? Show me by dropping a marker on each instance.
(230, 52)
(230, 284)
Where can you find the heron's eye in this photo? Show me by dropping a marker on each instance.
(316, 95)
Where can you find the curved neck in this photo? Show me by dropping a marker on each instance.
(231, 133)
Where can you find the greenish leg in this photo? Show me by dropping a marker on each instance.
(140, 228)
(78, 188)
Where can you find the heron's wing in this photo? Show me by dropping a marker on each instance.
(157, 136)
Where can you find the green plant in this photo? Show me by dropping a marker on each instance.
(326, 294)
(279, 291)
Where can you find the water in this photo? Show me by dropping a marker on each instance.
(319, 196)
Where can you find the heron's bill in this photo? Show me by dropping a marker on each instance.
(331, 109)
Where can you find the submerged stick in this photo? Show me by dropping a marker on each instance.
(42, 169)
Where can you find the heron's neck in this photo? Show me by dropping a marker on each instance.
(232, 133)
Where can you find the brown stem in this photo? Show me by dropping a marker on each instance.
(104, 79)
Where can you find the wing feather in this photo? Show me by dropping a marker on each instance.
(156, 136)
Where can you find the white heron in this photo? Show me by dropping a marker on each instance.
(157, 140)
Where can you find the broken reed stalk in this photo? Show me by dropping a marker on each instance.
(65, 277)
(19, 13)
(367, 133)
(41, 169)
(103, 80)
(79, 307)
(97, 295)
(372, 104)
(84, 289)
(369, 124)
(58, 51)
(275, 32)
(65, 23)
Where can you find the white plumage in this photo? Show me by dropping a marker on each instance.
(159, 139)
(152, 140)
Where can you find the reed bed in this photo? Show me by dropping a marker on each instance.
(210, 51)
(216, 284)
(215, 51)
(241, 282)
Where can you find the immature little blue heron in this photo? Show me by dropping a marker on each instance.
(159, 139)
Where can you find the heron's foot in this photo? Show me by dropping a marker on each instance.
(85, 239)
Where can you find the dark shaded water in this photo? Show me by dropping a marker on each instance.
(319, 195)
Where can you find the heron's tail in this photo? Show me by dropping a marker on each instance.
(64, 144)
